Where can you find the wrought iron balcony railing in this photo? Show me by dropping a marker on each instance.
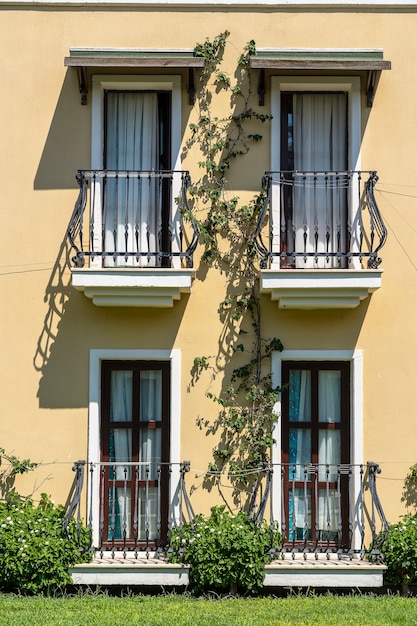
(319, 508)
(320, 220)
(126, 506)
(132, 219)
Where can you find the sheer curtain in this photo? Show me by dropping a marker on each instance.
(329, 447)
(131, 219)
(121, 394)
(299, 453)
(320, 145)
(150, 447)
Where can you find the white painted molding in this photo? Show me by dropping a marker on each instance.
(319, 289)
(231, 4)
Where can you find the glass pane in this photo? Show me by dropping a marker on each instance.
(151, 396)
(120, 452)
(150, 451)
(121, 386)
(148, 514)
(330, 385)
(119, 525)
(299, 511)
(329, 453)
(329, 504)
(300, 396)
(299, 452)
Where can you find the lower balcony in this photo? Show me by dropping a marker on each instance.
(131, 238)
(330, 517)
(319, 237)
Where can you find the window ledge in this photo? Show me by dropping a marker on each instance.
(139, 287)
(319, 289)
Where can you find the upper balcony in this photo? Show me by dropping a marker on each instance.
(129, 242)
(319, 237)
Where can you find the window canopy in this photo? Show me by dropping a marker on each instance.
(324, 61)
(87, 58)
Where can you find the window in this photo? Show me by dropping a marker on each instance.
(135, 411)
(136, 209)
(132, 360)
(314, 161)
(136, 170)
(316, 450)
(315, 148)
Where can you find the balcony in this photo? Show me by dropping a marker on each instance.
(319, 237)
(330, 517)
(131, 241)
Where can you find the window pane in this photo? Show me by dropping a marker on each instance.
(121, 386)
(150, 451)
(120, 451)
(119, 513)
(148, 514)
(329, 453)
(299, 519)
(300, 395)
(329, 504)
(299, 452)
(151, 396)
(330, 384)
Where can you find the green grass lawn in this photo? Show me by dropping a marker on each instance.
(103, 610)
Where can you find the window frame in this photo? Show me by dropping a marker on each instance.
(154, 83)
(350, 85)
(315, 426)
(97, 356)
(355, 357)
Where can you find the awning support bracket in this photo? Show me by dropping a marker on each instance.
(191, 86)
(82, 84)
(261, 87)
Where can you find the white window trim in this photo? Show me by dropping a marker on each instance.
(356, 414)
(94, 412)
(348, 84)
(100, 83)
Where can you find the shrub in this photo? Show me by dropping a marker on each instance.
(35, 549)
(226, 552)
(400, 551)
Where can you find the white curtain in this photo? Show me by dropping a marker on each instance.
(121, 394)
(150, 411)
(320, 144)
(131, 219)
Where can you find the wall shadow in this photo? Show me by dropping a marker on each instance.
(67, 146)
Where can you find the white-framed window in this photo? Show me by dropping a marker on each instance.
(165, 376)
(136, 127)
(320, 369)
(315, 142)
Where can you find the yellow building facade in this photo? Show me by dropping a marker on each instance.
(100, 335)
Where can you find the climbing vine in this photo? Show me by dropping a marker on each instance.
(246, 405)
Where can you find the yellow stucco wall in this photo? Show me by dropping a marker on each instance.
(48, 328)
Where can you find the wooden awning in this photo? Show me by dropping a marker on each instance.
(86, 58)
(321, 61)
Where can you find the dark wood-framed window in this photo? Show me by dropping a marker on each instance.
(135, 426)
(136, 209)
(316, 451)
(314, 161)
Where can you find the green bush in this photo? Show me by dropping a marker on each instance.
(227, 553)
(400, 551)
(35, 549)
